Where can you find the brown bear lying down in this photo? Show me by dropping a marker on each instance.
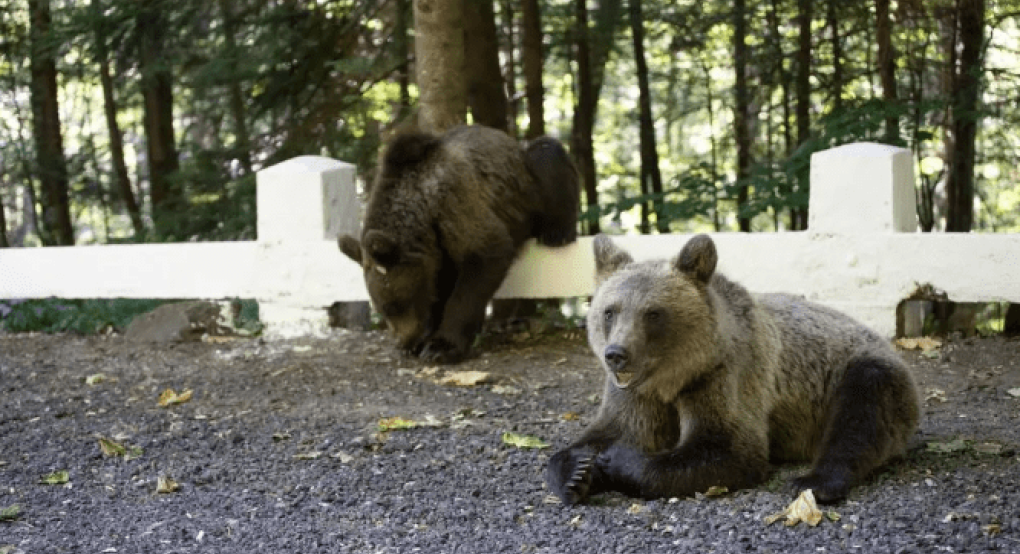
(706, 384)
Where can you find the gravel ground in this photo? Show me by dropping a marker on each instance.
(278, 450)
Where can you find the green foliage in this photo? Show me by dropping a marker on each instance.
(54, 315)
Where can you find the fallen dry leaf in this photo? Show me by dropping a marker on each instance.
(936, 394)
(635, 509)
(112, 449)
(395, 423)
(169, 397)
(465, 378)
(55, 478)
(523, 441)
(919, 343)
(1015, 393)
(716, 490)
(95, 379)
(165, 485)
(313, 455)
(10, 513)
(956, 445)
(570, 416)
(803, 508)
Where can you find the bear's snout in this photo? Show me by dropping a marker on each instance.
(616, 357)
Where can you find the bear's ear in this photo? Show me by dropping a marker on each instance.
(350, 247)
(609, 258)
(382, 248)
(698, 258)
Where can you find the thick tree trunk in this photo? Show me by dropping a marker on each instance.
(531, 60)
(651, 177)
(740, 109)
(401, 47)
(965, 99)
(439, 63)
(120, 171)
(485, 93)
(584, 114)
(887, 67)
(166, 195)
(51, 165)
(3, 225)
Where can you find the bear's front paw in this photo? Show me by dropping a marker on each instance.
(622, 466)
(442, 351)
(827, 488)
(569, 474)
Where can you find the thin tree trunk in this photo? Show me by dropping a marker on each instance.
(166, 195)
(3, 225)
(740, 109)
(401, 46)
(439, 63)
(803, 105)
(120, 171)
(531, 59)
(51, 165)
(242, 142)
(887, 67)
(651, 177)
(485, 94)
(584, 114)
(965, 100)
(837, 53)
(510, 46)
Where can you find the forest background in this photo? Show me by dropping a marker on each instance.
(126, 121)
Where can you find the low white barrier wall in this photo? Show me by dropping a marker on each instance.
(861, 254)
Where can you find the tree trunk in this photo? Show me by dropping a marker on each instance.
(584, 114)
(439, 63)
(3, 225)
(832, 15)
(965, 116)
(887, 67)
(120, 171)
(531, 60)
(166, 195)
(740, 108)
(242, 142)
(803, 103)
(651, 177)
(485, 94)
(401, 51)
(51, 166)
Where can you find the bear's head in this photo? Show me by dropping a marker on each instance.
(401, 282)
(652, 324)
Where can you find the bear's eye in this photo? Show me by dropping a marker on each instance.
(609, 315)
(653, 316)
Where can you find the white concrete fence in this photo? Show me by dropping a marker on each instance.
(861, 252)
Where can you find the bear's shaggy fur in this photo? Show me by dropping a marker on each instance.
(706, 384)
(445, 218)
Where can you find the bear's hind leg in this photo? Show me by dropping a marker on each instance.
(873, 413)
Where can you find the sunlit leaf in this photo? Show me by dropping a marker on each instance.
(10, 513)
(523, 441)
(95, 379)
(56, 478)
(803, 508)
(165, 485)
(170, 398)
(465, 378)
(395, 423)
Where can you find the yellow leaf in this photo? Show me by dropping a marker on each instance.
(523, 441)
(716, 490)
(111, 448)
(166, 485)
(465, 378)
(169, 397)
(635, 509)
(571, 416)
(919, 343)
(393, 423)
(95, 379)
(55, 478)
(803, 508)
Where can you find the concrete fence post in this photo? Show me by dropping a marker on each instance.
(862, 188)
(300, 202)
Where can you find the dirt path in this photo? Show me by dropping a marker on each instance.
(278, 450)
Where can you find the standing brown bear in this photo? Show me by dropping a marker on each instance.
(445, 218)
(706, 384)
